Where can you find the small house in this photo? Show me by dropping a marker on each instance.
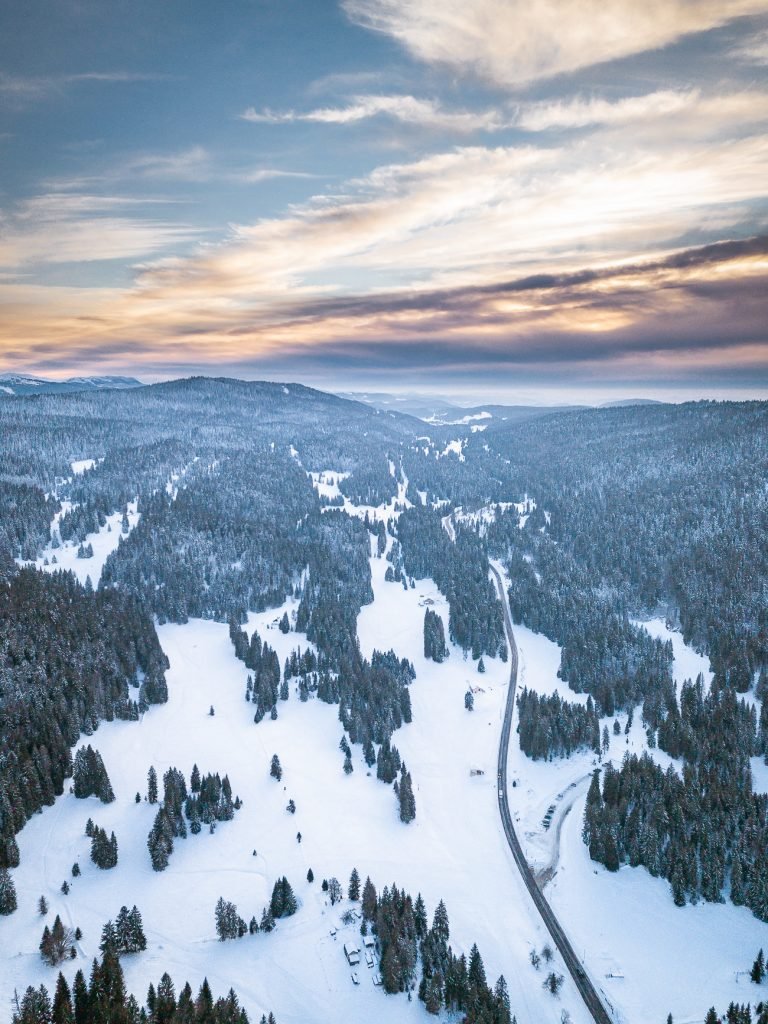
(352, 953)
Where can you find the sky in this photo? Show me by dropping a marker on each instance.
(537, 201)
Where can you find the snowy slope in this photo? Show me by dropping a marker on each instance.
(648, 956)
(625, 924)
(103, 542)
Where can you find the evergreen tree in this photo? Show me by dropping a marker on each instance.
(275, 769)
(353, 891)
(310, 876)
(283, 902)
(90, 776)
(406, 798)
(63, 1011)
(160, 841)
(8, 901)
(758, 969)
(34, 1007)
(80, 999)
(228, 923)
(152, 785)
(369, 902)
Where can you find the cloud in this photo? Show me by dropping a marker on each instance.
(66, 228)
(406, 109)
(512, 42)
(718, 113)
(754, 51)
(194, 165)
(578, 113)
(28, 87)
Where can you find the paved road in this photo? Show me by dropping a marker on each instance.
(572, 962)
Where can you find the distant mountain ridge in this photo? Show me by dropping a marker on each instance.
(441, 412)
(15, 384)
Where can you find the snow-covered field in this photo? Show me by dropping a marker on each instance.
(103, 542)
(648, 956)
(624, 924)
(454, 850)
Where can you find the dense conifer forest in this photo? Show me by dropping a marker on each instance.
(70, 658)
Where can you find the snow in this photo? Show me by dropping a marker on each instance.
(479, 519)
(664, 958)
(672, 960)
(688, 662)
(678, 960)
(81, 465)
(455, 448)
(759, 775)
(299, 971)
(104, 542)
(327, 482)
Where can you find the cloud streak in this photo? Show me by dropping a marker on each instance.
(423, 113)
(58, 228)
(29, 87)
(514, 42)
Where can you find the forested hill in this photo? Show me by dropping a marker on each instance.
(652, 507)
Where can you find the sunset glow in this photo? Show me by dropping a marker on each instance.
(380, 193)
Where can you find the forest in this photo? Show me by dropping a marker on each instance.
(632, 512)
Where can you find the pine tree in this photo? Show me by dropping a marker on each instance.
(348, 768)
(369, 902)
(288, 898)
(476, 969)
(406, 798)
(8, 902)
(34, 1008)
(80, 999)
(275, 769)
(42, 906)
(469, 700)
(152, 785)
(353, 891)
(228, 923)
(160, 841)
(310, 876)
(63, 1012)
(758, 969)
(440, 925)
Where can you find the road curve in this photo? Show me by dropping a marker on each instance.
(583, 984)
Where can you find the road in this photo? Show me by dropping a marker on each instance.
(573, 964)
